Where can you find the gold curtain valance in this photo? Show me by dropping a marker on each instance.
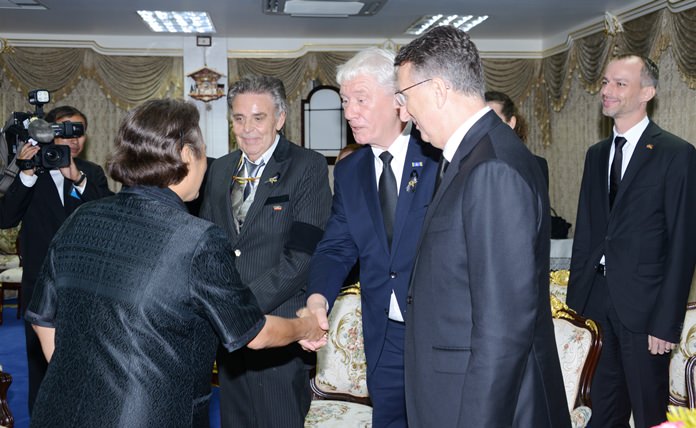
(127, 80)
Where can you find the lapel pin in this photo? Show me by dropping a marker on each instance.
(416, 164)
(413, 180)
(649, 146)
(274, 179)
(277, 208)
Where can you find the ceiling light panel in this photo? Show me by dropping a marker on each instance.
(21, 4)
(177, 22)
(463, 22)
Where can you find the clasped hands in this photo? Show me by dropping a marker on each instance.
(317, 307)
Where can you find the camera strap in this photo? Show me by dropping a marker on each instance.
(10, 171)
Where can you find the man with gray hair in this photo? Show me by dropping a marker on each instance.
(380, 197)
(272, 197)
(480, 347)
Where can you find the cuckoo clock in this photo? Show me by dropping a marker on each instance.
(205, 85)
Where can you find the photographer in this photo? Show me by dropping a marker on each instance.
(42, 199)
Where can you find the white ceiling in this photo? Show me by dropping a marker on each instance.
(548, 22)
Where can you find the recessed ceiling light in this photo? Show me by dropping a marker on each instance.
(177, 22)
(463, 22)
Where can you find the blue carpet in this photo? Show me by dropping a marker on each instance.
(14, 361)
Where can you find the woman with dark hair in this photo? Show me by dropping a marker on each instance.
(508, 113)
(136, 294)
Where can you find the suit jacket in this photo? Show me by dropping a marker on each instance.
(648, 238)
(282, 227)
(480, 345)
(356, 231)
(41, 212)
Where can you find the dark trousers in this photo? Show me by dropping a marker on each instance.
(36, 361)
(268, 388)
(628, 378)
(386, 382)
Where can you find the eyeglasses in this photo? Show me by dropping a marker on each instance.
(401, 98)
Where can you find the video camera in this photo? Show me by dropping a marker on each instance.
(25, 127)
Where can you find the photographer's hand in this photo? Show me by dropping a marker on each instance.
(71, 172)
(28, 152)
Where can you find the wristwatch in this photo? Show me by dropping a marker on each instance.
(80, 180)
(25, 164)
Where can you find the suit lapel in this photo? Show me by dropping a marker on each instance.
(271, 178)
(604, 174)
(640, 156)
(470, 140)
(414, 168)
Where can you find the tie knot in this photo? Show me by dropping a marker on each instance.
(386, 158)
(619, 142)
(253, 168)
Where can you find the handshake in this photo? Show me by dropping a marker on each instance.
(317, 307)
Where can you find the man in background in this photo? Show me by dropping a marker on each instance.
(272, 197)
(380, 198)
(634, 248)
(480, 344)
(41, 199)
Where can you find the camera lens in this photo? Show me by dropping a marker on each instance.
(53, 156)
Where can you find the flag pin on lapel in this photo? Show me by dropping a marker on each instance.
(277, 208)
(649, 146)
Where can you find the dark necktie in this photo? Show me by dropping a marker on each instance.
(252, 175)
(615, 176)
(387, 194)
(441, 168)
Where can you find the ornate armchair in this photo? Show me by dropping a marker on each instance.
(579, 342)
(682, 362)
(339, 382)
(10, 269)
(6, 419)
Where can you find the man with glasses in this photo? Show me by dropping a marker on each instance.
(480, 347)
(381, 194)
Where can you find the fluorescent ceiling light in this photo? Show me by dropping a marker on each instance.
(21, 4)
(322, 8)
(177, 22)
(463, 22)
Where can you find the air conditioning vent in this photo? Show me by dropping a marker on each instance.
(323, 8)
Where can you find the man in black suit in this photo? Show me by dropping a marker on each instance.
(41, 200)
(273, 199)
(480, 344)
(634, 248)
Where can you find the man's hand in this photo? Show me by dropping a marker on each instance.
(659, 346)
(316, 307)
(28, 152)
(71, 172)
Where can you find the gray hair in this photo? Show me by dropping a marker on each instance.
(375, 62)
(254, 84)
(448, 53)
